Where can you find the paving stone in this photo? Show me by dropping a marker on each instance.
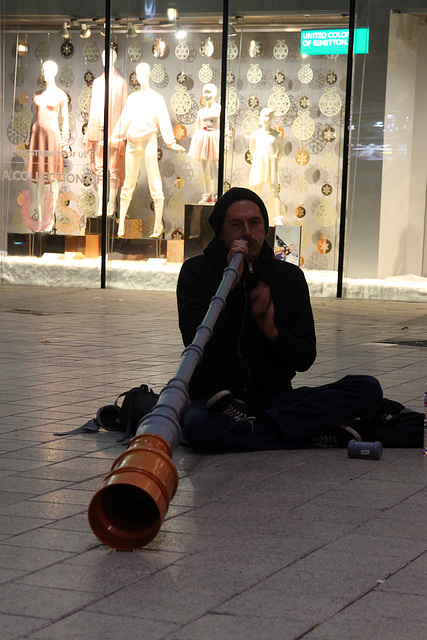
(346, 625)
(27, 600)
(92, 626)
(29, 559)
(46, 538)
(13, 627)
(12, 525)
(214, 626)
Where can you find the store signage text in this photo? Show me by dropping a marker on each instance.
(15, 176)
(333, 42)
(34, 153)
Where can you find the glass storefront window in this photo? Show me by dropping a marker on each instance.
(84, 208)
(285, 135)
(47, 178)
(173, 71)
(385, 247)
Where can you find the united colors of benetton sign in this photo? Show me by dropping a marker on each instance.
(333, 42)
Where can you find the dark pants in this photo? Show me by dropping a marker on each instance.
(292, 418)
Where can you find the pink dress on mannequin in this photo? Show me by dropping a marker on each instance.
(46, 140)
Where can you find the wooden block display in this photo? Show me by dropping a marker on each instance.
(175, 251)
(74, 244)
(92, 247)
(133, 228)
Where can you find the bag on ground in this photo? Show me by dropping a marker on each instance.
(393, 425)
(124, 417)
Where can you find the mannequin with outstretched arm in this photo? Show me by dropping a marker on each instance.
(48, 143)
(145, 111)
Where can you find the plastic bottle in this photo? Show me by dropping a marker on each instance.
(425, 420)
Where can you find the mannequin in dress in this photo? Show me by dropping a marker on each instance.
(47, 146)
(205, 143)
(94, 137)
(145, 111)
(266, 146)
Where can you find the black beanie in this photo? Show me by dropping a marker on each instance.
(216, 219)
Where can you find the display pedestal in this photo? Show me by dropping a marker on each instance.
(131, 247)
(92, 247)
(175, 251)
(34, 244)
(94, 226)
(76, 244)
(197, 230)
(89, 246)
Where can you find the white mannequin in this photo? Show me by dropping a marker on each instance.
(267, 147)
(46, 138)
(205, 143)
(94, 137)
(145, 111)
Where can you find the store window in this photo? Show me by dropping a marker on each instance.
(76, 200)
(48, 184)
(172, 66)
(139, 205)
(190, 115)
(386, 228)
(285, 132)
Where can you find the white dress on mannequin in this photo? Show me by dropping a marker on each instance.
(266, 146)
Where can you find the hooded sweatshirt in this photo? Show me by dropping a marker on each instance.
(239, 357)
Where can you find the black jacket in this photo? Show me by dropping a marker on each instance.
(239, 357)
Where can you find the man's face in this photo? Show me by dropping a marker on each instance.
(243, 221)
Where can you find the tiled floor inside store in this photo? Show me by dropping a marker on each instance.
(275, 545)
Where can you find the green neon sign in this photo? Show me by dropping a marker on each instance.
(333, 41)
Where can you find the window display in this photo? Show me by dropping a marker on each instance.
(282, 138)
(286, 121)
(283, 117)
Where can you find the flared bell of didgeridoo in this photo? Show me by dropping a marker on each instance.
(128, 510)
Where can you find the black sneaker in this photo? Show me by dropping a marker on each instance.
(337, 437)
(224, 402)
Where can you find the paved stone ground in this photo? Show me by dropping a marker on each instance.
(275, 546)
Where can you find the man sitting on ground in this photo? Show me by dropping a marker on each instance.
(241, 394)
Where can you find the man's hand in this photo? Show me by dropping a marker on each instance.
(262, 309)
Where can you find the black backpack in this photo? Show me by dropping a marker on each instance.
(136, 403)
(393, 425)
